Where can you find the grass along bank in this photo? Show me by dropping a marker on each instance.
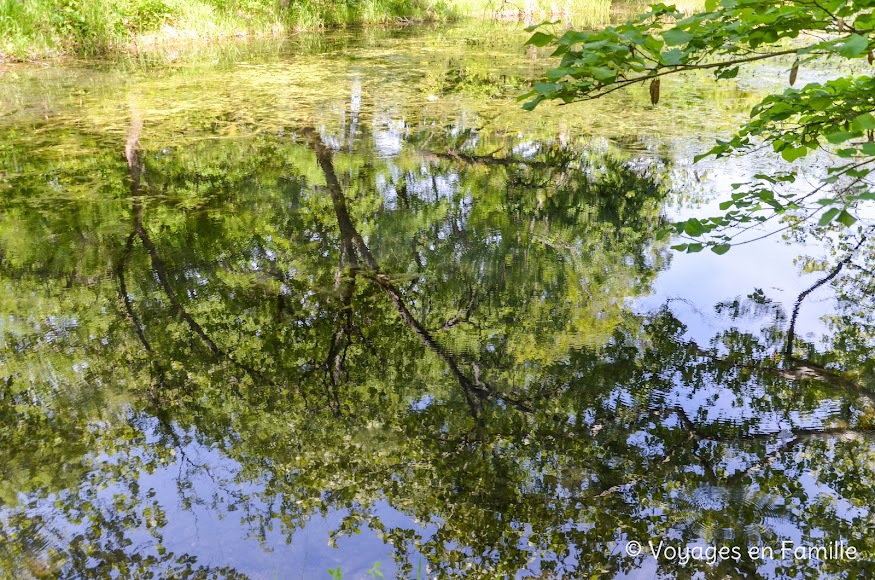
(36, 29)
(43, 28)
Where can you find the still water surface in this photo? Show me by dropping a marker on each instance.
(277, 308)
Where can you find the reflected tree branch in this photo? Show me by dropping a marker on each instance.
(136, 170)
(474, 390)
(791, 332)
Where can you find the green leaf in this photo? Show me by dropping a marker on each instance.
(720, 249)
(557, 73)
(793, 153)
(693, 248)
(863, 122)
(856, 45)
(840, 137)
(547, 87)
(672, 57)
(828, 216)
(676, 36)
(540, 24)
(846, 219)
(694, 228)
(540, 39)
(820, 103)
(604, 74)
(530, 106)
(865, 21)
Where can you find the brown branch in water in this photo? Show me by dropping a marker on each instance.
(345, 278)
(490, 159)
(135, 170)
(462, 316)
(403, 195)
(797, 435)
(161, 271)
(132, 315)
(802, 369)
(344, 285)
(695, 433)
(469, 387)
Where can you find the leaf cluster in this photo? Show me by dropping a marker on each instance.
(835, 117)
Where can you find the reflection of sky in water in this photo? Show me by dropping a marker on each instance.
(695, 283)
(691, 285)
(215, 536)
(219, 535)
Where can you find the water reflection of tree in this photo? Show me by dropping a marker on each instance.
(464, 355)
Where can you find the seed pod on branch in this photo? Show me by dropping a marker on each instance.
(870, 57)
(793, 72)
(654, 91)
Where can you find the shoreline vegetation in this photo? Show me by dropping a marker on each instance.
(33, 30)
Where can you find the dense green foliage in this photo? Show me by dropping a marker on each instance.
(92, 26)
(37, 28)
(831, 120)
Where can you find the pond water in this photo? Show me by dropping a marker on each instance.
(337, 306)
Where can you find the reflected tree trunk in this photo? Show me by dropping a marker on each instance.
(354, 247)
(136, 173)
